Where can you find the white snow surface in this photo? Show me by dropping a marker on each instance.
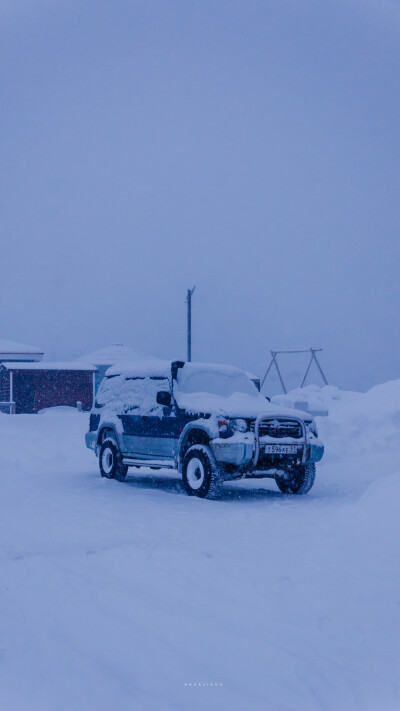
(142, 368)
(313, 398)
(50, 365)
(220, 389)
(137, 396)
(134, 596)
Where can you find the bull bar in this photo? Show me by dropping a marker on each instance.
(265, 418)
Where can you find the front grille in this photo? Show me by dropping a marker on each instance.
(278, 428)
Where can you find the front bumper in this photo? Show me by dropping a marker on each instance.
(239, 451)
(315, 452)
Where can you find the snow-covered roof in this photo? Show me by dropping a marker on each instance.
(113, 354)
(19, 351)
(68, 365)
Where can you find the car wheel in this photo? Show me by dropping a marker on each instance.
(110, 461)
(201, 474)
(300, 482)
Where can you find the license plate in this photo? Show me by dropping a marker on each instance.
(280, 449)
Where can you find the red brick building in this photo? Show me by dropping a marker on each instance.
(30, 387)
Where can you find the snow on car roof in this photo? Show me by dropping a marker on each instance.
(154, 366)
(141, 368)
(225, 369)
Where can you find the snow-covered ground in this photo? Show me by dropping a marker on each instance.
(134, 596)
(315, 399)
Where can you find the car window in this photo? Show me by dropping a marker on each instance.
(106, 390)
(132, 395)
(143, 394)
(215, 382)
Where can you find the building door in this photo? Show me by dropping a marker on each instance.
(24, 391)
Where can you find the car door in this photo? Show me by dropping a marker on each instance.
(151, 430)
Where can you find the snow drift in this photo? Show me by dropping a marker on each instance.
(134, 596)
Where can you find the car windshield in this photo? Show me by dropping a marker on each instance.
(216, 383)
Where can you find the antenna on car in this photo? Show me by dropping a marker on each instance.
(189, 323)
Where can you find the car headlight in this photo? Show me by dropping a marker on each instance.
(238, 425)
(312, 427)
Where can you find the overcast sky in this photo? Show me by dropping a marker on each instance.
(248, 147)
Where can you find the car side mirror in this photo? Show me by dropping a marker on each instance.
(164, 398)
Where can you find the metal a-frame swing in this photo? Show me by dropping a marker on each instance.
(313, 357)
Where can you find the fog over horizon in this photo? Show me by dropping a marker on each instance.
(250, 148)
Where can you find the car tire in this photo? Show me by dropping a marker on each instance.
(300, 482)
(110, 461)
(201, 475)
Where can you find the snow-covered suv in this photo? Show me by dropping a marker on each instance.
(207, 421)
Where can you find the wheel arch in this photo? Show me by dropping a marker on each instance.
(106, 430)
(192, 434)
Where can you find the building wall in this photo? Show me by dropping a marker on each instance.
(4, 389)
(34, 390)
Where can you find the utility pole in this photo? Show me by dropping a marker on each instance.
(189, 323)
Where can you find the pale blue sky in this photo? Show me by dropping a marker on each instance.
(251, 148)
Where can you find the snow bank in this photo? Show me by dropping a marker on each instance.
(315, 399)
(364, 422)
(135, 596)
(58, 410)
(381, 498)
